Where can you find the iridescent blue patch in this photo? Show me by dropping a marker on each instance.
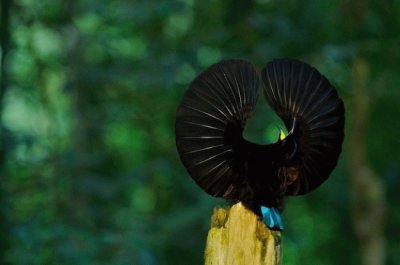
(272, 218)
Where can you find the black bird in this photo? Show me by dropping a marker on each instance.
(209, 133)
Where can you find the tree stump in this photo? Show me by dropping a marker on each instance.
(239, 237)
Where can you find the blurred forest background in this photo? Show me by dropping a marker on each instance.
(88, 165)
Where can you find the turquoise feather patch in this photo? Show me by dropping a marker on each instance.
(272, 218)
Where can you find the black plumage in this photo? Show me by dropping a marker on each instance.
(213, 113)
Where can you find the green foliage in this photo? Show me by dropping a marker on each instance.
(92, 175)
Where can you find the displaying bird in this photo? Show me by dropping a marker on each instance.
(209, 133)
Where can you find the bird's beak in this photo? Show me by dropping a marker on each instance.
(281, 135)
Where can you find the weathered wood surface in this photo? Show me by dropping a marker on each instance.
(239, 237)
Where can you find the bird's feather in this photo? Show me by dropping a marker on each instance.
(298, 92)
(223, 95)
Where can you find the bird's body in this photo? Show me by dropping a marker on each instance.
(212, 116)
(261, 179)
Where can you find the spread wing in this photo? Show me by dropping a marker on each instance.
(297, 91)
(222, 96)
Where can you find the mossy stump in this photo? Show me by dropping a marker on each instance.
(239, 237)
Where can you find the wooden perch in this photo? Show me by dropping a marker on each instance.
(239, 237)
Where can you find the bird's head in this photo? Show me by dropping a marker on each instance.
(288, 143)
